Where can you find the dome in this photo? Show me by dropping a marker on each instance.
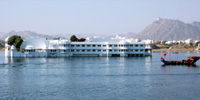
(63, 42)
(29, 47)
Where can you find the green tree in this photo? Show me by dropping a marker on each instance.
(11, 40)
(18, 43)
(73, 38)
(15, 40)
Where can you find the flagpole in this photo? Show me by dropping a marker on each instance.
(170, 53)
(169, 50)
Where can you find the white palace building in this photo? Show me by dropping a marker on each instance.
(118, 46)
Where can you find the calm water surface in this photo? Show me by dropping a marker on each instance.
(98, 78)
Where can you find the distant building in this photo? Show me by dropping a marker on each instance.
(180, 41)
(169, 42)
(196, 41)
(198, 47)
(158, 18)
(189, 41)
(162, 42)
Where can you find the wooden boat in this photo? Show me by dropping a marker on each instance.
(189, 61)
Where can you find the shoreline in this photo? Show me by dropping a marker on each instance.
(191, 50)
(2, 49)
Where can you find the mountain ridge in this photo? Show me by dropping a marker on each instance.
(160, 29)
(24, 34)
(168, 29)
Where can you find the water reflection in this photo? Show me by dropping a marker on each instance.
(148, 61)
(16, 82)
(196, 66)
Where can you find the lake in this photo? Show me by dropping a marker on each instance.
(98, 78)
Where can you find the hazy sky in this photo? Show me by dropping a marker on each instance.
(92, 16)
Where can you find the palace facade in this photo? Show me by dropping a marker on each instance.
(40, 47)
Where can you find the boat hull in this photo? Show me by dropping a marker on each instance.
(176, 63)
(183, 62)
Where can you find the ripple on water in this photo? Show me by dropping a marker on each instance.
(97, 78)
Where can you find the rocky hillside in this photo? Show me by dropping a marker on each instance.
(167, 29)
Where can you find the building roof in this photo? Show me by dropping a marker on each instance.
(37, 43)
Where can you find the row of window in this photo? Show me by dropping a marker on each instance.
(64, 45)
(29, 50)
(53, 50)
(99, 50)
(93, 50)
(105, 45)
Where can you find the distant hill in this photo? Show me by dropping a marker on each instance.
(2, 45)
(128, 35)
(167, 29)
(31, 34)
(25, 34)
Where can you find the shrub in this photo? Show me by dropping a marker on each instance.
(81, 40)
(73, 38)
